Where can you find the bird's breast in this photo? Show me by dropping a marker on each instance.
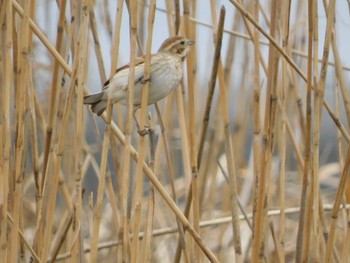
(165, 76)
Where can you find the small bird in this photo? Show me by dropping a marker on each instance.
(166, 74)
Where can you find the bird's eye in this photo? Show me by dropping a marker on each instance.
(182, 42)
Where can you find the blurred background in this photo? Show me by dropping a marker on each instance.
(267, 181)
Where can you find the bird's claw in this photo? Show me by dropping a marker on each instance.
(143, 80)
(145, 131)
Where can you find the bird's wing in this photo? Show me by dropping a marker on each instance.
(123, 72)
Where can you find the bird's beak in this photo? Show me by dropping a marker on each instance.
(190, 42)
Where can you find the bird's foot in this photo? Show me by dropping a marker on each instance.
(145, 131)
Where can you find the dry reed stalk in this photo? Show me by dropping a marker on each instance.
(346, 244)
(51, 184)
(192, 85)
(59, 240)
(304, 218)
(170, 163)
(53, 97)
(97, 47)
(263, 198)
(319, 97)
(136, 229)
(106, 140)
(23, 239)
(307, 193)
(118, 221)
(2, 12)
(97, 215)
(181, 241)
(285, 9)
(256, 113)
(169, 7)
(5, 124)
(337, 61)
(231, 49)
(21, 75)
(143, 110)
(126, 201)
(198, 157)
(146, 252)
(107, 17)
(80, 79)
(315, 186)
(115, 50)
(34, 139)
(142, 140)
(336, 207)
(43, 39)
(211, 89)
(275, 242)
(231, 164)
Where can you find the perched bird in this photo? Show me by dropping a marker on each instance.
(166, 73)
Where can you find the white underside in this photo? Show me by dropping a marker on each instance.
(165, 76)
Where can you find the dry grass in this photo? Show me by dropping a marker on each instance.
(237, 167)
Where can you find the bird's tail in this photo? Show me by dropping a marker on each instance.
(98, 104)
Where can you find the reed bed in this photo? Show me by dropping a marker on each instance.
(247, 160)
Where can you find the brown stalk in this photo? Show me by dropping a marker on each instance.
(128, 128)
(256, 113)
(302, 245)
(53, 97)
(21, 74)
(101, 186)
(65, 225)
(260, 223)
(136, 230)
(177, 16)
(315, 191)
(336, 207)
(137, 195)
(115, 50)
(211, 88)
(5, 124)
(80, 79)
(144, 103)
(192, 84)
(23, 238)
(170, 166)
(146, 253)
(118, 222)
(318, 100)
(106, 138)
(205, 124)
(49, 197)
(337, 60)
(285, 9)
(93, 27)
(345, 253)
(232, 170)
